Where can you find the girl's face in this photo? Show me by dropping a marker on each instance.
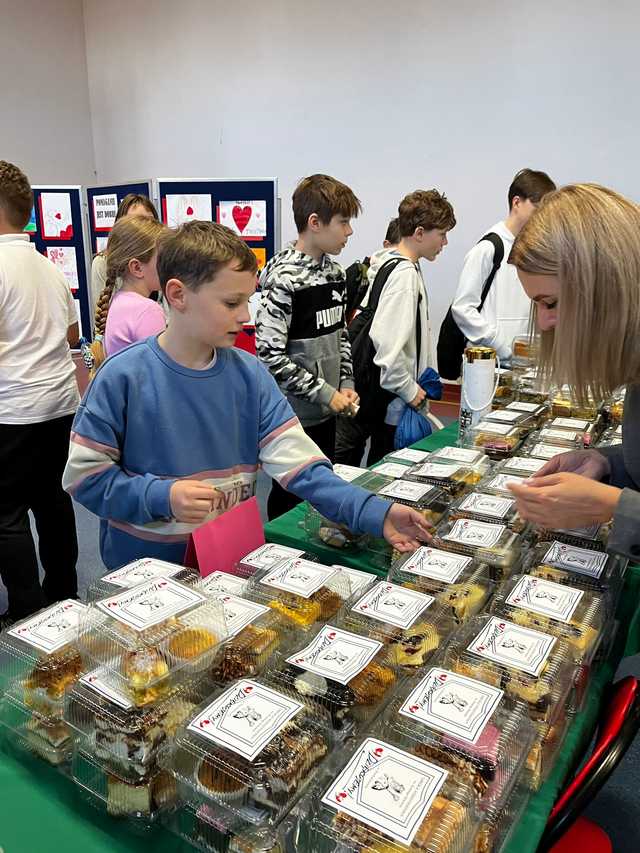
(150, 272)
(544, 291)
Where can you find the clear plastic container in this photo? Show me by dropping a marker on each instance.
(536, 449)
(505, 390)
(529, 388)
(539, 412)
(461, 583)
(358, 580)
(330, 533)
(528, 665)
(470, 728)
(498, 483)
(455, 478)
(544, 751)
(305, 593)
(224, 583)
(564, 439)
(380, 798)
(497, 440)
(594, 536)
(49, 738)
(139, 571)
(569, 613)
(40, 657)
(373, 482)
(212, 830)
(267, 556)
(590, 430)
(125, 740)
(564, 405)
(612, 437)
(512, 417)
(614, 408)
(430, 501)
(140, 802)
(411, 623)
(585, 568)
(520, 466)
(152, 636)
(248, 750)
(477, 460)
(493, 544)
(391, 468)
(345, 678)
(408, 456)
(489, 507)
(524, 351)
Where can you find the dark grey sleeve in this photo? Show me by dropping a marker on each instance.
(625, 534)
(619, 476)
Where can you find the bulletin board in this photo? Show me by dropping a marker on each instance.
(57, 228)
(102, 206)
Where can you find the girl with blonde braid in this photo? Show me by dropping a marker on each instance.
(125, 313)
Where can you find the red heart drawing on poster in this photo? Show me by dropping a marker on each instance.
(67, 233)
(189, 211)
(241, 216)
(58, 216)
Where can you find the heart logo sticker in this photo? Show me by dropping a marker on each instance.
(378, 751)
(413, 709)
(341, 796)
(241, 216)
(332, 635)
(248, 688)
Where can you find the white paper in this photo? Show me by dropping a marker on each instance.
(64, 257)
(491, 505)
(55, 213)
(459, 454)
(436, 470)
(387, 789)
(105, 209)
(301, 577)
(245, 718)
(435, 564)
(98, 680)
(357, 579)
(239, 612)
(569, 423)
(246, 218)
(581, 560)
(452, 704)
(187, 207)
(406, 491)
(513, 645)
(141, 570)
(336, 654)
(52, 629)
(150, 603)
(495, 428)
(270, 554)
(480, 534)
(501, 481)
(393, 604)
(531, 408)
(549, 599)
(348, 473)
(391, 469)
(408, 453)
(505, 416)
(223, 583)
(523, 463)
(559, 435)
(545, 451)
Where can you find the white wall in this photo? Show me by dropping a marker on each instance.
(45, 123)
(387, 97)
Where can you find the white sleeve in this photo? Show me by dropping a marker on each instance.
(393, 327)
(477, 328)
(72, 316)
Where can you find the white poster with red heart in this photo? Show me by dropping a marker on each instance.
(182, 208)
(247, 218)
(64, 257)
(55, 216)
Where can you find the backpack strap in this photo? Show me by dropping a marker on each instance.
(380, 280)
(498, 257)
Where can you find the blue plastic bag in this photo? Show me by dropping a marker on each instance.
(413, 425)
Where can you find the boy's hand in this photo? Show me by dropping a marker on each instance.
(351, 395)
(191, 501)
(418, 399)
(405, 529)
(339, 402)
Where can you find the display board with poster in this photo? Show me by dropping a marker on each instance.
(102, 206)
(57, 228)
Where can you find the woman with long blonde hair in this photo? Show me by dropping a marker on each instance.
(125, 313)
(578, 259)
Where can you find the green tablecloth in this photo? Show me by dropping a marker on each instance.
(41, 812)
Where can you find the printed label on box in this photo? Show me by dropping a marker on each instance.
(501, 481)
(544, 597)
(387, 789)
(435, 564)
(453, 704)
(222, 583)
(495, 428)
(357, 579)
(545, 451)
(436, 470)
(149, 603)
(487, 505)
(98, 680)
(479, 533)
(393, 604)
(239, 612)
(336, 654)
(581, 560)
(406, 491)
(54, 628)
(569, 423)
(513, 645)
(531, 408)
(410, 454)
(391, 469)
(505, 416)
(141, 570)
(523, 463)
(245, 718)
(270, 554)
(559, 435)
(459, 454)
(301, 577)
(348, 473)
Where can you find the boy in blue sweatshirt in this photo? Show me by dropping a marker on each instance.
(172, 430)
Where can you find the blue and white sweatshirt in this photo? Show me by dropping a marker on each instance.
(147, 421)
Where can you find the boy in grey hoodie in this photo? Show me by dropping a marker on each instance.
(300, 324)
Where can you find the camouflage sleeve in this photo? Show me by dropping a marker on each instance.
(346, 364)
(272, 333)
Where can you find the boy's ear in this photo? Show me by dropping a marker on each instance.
(175, 293)
(313, 223)
(418, 234)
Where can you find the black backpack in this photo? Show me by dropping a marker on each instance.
(373, 399)
(357, 285)
(451, 341)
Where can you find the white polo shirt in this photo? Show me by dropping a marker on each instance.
(37, 374)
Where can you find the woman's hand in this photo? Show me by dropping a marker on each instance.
(565, 500)
(405, 529)
(587, 463)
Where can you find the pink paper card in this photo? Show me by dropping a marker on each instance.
(218, 545)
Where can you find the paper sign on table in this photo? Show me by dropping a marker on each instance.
(247, 218)
(221, 543)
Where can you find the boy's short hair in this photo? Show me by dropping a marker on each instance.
(393, 232)
(427, 208)
(16, 196)
(196, 252)
(324, 196)
(529, 184)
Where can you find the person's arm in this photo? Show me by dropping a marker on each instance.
(346, 363)
(394, 324)
(272, 334)
(73, 327)
(476, 327)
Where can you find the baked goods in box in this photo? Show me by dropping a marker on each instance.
(430, 501)
(256, 632)
(585, 568)
(452, 477)
(498, 440)
(48, 737)
(489, 507)
(266, 557)
(140, 799)
(139, 571)
(493, 544)
(46, 683)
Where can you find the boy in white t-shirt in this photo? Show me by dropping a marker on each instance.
(38, 399)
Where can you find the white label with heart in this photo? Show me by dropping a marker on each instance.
(505, 416)
(219, 583)
(531, 408)
(490, 505)
(270, 554)
(406, 491)
(142, 570)
(581, 560)
(549, 599)
(589, 532)
(348, 473)
(301, 577)
(569, 423)
(245, 718)
(452, 703)
(435, 564)
(523, 463)
(149, 603)
(391, 469)
(559, 435)
(501, 481)
(336, 654)
(495, 428)
(436, 470)
(545, 451)
(513, 645)
(387, 789)
(481, 534)
(459, 454)
(410, 454)
(239, 612)
(393, 604)
(52, 629)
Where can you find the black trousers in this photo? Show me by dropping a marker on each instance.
(280, 500)
(351, 439)
(32, 459)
